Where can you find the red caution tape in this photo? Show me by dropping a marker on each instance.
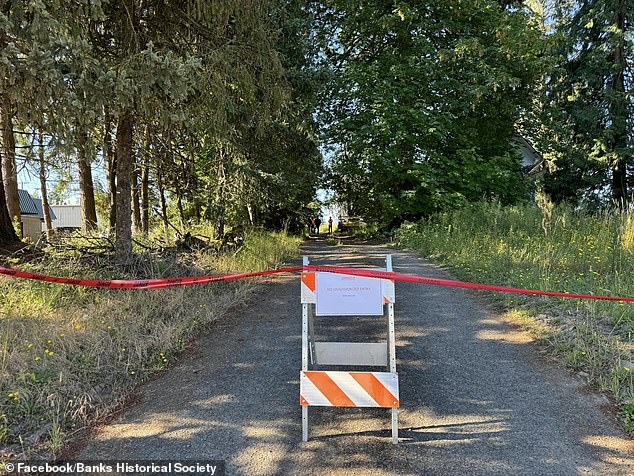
(408, 278)
(142, 283)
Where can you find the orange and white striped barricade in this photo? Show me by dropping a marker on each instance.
(328, 294)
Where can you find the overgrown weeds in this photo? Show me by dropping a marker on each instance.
(569, 251)
(69, 355)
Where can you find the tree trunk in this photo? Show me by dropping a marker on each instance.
(179, 204)
(197, 210)
(136, 206)
(9, 169)
(163, 203)
(43, 190)
(219, 228)
(145, 197)
(619, 184)
(250, 212)
(7, 232)
(145, 186)
(123, 242)
(618, 111)
(110, 159)
(86, 189)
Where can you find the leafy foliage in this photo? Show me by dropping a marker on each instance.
(586, 119)
(422, 102)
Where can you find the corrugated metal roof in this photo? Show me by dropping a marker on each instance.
(40, 209)
(27, 206)
(32, 206)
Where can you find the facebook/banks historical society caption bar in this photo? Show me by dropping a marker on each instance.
(127, 467)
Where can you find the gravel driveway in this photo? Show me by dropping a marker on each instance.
(476, 395)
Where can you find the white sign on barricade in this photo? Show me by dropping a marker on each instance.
(330, 294)
(345, 295)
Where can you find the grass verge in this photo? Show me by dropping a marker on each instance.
(70, 355)
(562, 250)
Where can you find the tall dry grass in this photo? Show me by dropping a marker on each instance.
(69, 355)
(569, 251)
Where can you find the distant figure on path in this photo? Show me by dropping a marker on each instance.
(311, 225)
(317, 224)
(330, 226)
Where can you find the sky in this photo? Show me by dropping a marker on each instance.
(328, 210)
(29, 180)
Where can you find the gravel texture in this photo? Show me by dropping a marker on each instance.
(476, 395)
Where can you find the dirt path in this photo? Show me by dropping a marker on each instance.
(475, 396)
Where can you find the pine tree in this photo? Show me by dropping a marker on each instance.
(590, 110)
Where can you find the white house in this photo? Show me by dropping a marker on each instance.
(530, 156)
(32, 223)
(68, 217)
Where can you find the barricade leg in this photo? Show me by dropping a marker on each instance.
(395, 426)
(305, 345)
(311, 335)
(391, 339)
(305, 423)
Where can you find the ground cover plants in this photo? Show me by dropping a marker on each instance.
(561, 249)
